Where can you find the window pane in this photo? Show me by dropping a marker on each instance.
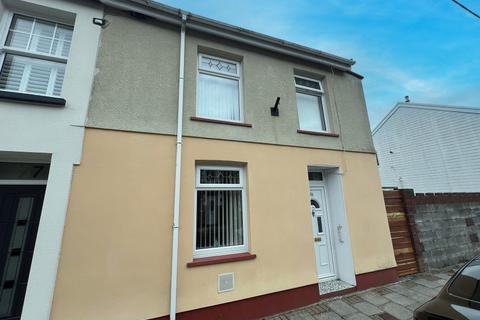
(219, 176)
(219, 219)
(21, 23)
(218, 98)
(12, 73)
(467, 284)
(308, 83)
(19, 32)
(310, 112)
(42, 36)
(315, 176)
(57, 86)
(32, 75)
(319, 224)
(218, 65)
(62, 41)
(40, 44)
(17, 39)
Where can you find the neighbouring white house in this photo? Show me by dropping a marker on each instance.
(429, 148)
(48, 50)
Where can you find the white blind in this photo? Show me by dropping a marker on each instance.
(39, 36)
(31, 75)
(310, 112)
(218, 97)
(219, 219)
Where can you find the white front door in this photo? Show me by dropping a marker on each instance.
(321, 235)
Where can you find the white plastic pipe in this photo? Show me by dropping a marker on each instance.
(178, 172)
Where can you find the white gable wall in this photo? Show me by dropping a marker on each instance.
(430, 149)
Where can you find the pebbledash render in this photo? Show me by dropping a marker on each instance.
(270, 170)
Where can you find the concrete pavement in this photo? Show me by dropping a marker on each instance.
(394, 301)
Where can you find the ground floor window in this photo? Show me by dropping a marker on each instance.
(220, 211)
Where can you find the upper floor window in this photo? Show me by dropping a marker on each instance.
(34, 56)
(310, 104)
(219, 89)
(220, 214)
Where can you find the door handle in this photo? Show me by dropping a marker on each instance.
(317, 239)
(339, 231)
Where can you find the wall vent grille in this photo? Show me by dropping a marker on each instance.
(226, 282)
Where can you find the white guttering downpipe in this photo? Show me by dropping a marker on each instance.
(178, 173)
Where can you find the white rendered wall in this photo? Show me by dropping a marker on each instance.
(430, 149)
(55, 131)
(340, 230)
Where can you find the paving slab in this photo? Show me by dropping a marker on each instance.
(414, 306)
(373, 298)
(418, 297)
(357, 316)
(399, 299)
(443, 275)
(428, 283)
(426, 291)
(327, 316)
(341, 307)
(390, 302)
(367, 308)
(397, 311)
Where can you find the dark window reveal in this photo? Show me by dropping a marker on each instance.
(315, 176)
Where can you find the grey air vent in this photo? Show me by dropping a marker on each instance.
(226, 282)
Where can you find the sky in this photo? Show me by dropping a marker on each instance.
(426, 49)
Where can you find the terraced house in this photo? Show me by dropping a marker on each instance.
(225, 174)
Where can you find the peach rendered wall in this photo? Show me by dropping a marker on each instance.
(115, 261)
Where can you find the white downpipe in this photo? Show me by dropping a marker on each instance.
(178, 172)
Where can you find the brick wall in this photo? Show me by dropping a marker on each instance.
(445, 227)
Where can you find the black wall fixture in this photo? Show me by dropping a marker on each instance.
(99, 22)
(274, 110)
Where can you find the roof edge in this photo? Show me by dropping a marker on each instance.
(427, 106)
(196, 22)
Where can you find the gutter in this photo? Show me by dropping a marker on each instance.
(208, 26)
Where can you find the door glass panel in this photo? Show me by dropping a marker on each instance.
(319, 224)
(10, 276)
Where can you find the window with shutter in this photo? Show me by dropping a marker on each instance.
(34, 56)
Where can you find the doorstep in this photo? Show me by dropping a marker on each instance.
(333, 286)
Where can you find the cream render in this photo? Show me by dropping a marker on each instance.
(117, 248)
(114, 261)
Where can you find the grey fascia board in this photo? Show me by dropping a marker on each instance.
(195, 22)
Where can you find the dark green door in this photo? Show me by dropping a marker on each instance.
(20, 208)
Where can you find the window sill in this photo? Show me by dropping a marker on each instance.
(232, 123)
(32, 98)
(221, 259)
(318, 133)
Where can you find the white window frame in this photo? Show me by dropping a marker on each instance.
(202, 253)
(4, 50)
(313, 92)
(238, 77)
